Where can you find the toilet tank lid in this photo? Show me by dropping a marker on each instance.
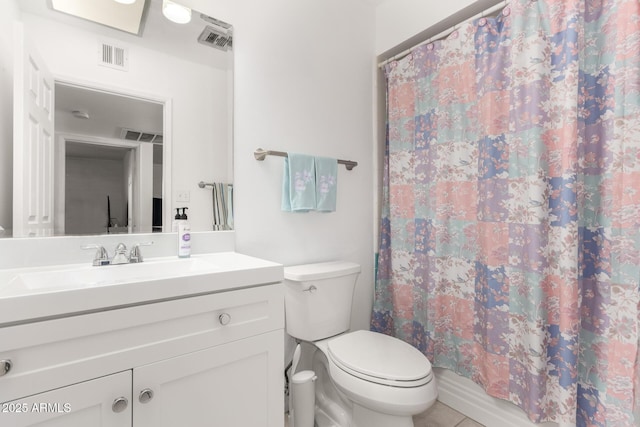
(322, 270)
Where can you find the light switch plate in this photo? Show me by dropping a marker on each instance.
(182, 196)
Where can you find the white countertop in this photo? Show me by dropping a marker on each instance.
(27, 294)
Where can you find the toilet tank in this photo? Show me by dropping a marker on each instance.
(318, 299)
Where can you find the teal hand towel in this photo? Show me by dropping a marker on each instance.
(299, 183)
(326, 184)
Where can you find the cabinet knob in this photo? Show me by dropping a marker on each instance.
(145, 395)
(224, 318)
(120, 404)
(5, 366)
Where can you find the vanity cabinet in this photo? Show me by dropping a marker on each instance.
(222, 386)
(90, 403)
(206, 360)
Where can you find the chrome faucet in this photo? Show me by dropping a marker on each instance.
(101, 257)
(136, 255)
(120, 255)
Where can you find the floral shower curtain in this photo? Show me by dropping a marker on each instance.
(510, 234)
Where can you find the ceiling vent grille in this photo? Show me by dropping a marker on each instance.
(140, 136)
(113, 56)
(216, 38)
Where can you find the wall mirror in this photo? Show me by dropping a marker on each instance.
(140, 116)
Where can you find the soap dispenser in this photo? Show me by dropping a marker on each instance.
(184, 236)
(176, 221)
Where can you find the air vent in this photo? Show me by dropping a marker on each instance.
(113, 56)
(140, 136)
(216, 38)
(146, 137)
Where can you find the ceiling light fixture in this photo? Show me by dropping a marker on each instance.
(126, 1)
(176, 12)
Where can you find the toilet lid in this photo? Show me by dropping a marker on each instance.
(380, 358)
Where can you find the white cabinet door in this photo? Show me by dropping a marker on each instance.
(86, 404)
(33, 139)
(238, 384)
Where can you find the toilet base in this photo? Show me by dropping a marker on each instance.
(332, 409)
(324, 420)
(364, 417)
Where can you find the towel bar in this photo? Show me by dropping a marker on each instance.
(203, 184)
(260, 154)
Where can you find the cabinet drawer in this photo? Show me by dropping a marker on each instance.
(51, 354)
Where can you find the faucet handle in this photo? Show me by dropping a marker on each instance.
(101, 257)
(136, 255)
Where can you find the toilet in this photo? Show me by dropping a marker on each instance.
(364, 378)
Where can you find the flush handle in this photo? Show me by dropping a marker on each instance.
(5, 367)
(311, 289)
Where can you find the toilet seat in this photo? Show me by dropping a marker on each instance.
(380, 359)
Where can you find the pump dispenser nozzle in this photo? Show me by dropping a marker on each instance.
(180, 217)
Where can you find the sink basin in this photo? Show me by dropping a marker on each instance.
(28, 294)
(89, 276)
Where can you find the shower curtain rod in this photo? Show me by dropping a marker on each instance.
(445, 33)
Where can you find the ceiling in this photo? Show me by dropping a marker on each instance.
(376, 2)
(108, 113)
(156, 32)
(124, 17)
(94, 151)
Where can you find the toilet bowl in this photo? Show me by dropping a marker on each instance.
(364, 378)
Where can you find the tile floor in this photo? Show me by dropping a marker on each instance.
(439, 415)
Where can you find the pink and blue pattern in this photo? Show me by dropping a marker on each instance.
(510, 234)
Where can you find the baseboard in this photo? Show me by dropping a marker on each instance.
(468, 398)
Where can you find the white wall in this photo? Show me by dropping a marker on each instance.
(303, 83)
(399, 20)
(8, 16)
(198, 121)
(400, 24)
